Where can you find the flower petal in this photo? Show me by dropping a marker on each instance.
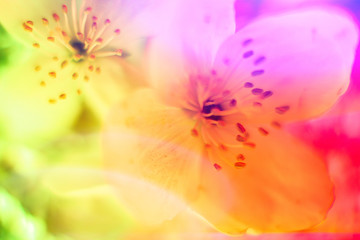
(25, 107)
(291, 66)
(284, 185)
(190, 46)
(152, 142)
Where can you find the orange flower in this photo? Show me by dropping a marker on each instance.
(210, 132)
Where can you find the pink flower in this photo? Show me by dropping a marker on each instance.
(210, 131)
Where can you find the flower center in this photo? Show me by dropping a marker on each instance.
(220, 122)
(82, 36)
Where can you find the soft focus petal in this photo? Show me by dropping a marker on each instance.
(284, 186)
(197, 31)
(147, 203)
(291, 66)
(25, 109)
(152, 142)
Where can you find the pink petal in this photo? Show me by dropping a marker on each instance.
(295, 65)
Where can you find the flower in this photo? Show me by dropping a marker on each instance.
(80, 41)
(211, 133)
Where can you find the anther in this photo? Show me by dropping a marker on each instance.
(257, 91)
(51, 39)
(37, 68)
(223, 147)
(240, 138)
(27, 28)
(86, 78)
(45, 21)
(267, 94)
(56, 17)
(62, 96)
(42, 83)
(240, 157)
(64, 64)
(30, 23)
(241, 128)
(36, 45)
(257, 104)
(257, 72)
(247, 42)
(91, 68)
(88, 10)
(107, 22)
(52, 101)
(248, 54)
(75, 76)
(248, 85)
(98, 70)
(276, 124)
(194, 132)
(55, 58)
(233, 103)
(117, 31)
(239, 164)
(259, 60)
(52, 74)
(263, 131)
(64, 8)
(78, 92)
(217, 166)
(282, 109)
(249, 144)
(118, 52)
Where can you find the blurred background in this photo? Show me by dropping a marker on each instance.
(32, 207)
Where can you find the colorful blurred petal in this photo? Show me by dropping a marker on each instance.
(214, 136)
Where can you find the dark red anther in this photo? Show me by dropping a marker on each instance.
(249, 144)
(217, 166)
(263, 131)
(241, 128)
(239, 164)
(282, 109)
(240, 138)
(240, 157)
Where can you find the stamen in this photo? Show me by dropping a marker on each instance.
(64, 64)
(263, 131)
(56, 17)
(248, 54)
(37, 68)
(194, 132)
(257, 91)
(51, 39)
(282, 109)
(249, 144)
(62, 96)
(248, 85)
(240, 157)
(217, 166)
(36, 45)
(247, 42)
(52, 74)
(241, 128)
(27, 28)
(45, 22)
(52, 101)
(75, 76)
(239, 165)
(267, 94)
(257, 72)
(43, 84)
